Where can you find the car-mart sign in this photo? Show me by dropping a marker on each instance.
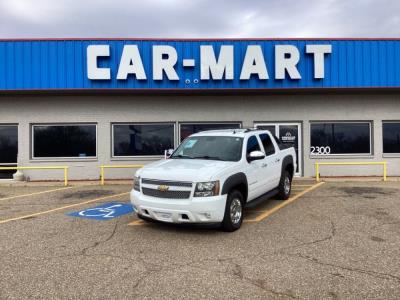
(132, 64)
(165, 60)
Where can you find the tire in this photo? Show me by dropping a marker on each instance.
(285, 186)
(233, 217)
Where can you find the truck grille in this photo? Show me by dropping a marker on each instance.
(166, 182)
(166, 194)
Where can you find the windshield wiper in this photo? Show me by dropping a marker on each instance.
(208, 157)
(182, 156)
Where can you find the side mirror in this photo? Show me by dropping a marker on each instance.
(168, 153)
(255, 155)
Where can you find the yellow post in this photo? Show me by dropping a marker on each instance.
(317, 171)
(102, 175)
(384, 170)
(65, 176)
(103, 167)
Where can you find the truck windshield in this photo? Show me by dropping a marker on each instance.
(224, 148)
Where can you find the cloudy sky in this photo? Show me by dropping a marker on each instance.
(199, 18)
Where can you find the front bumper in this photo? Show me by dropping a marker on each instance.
(192, 210)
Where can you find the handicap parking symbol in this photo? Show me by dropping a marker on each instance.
(106, 211)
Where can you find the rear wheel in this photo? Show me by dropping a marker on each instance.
(285, 185)
(233, 217)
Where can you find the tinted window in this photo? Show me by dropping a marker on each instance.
(279, 142)
(252, 145)
(142, 139)
(340, 138)
(271, 128)
(64, 141)
(267, 144)
(8, 144)
(188, 129)
(391, 137)
(210, 147)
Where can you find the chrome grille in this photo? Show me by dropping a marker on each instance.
(166, 194)
(166, 182)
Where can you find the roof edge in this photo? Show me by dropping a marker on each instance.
(200, 39)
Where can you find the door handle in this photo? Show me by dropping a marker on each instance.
(277, 160)
(264, 165)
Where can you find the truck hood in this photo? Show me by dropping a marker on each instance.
(194, 170)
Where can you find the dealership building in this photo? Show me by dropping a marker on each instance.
(84, 103)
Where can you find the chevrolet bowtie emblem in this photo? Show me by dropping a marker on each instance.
(163, 188)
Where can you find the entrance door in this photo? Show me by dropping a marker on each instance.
(8, 149)
(288, 133)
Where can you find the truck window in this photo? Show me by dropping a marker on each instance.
(279, 142)
(267, 143)
(252, 145)
(224, 148)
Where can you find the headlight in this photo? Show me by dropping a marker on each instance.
(206, 189)
(136, 183)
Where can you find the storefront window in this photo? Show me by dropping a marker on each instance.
(187, 129)
(142, 139)
(8, 144)
(75, 141)
(391, 137)
(8, 149)
(340, 138)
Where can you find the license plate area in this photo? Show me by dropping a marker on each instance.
(163, 215)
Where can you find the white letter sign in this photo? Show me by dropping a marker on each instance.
(93, 71)
(209, 63)
(131, 63)
(254, 63)
(319, 52)
(164, 59)
(286, 59)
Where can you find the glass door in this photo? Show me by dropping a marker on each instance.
(8, 149)
(288, 133)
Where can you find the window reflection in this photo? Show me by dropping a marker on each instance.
(191, 128)
(8, 144)
(391, 137)
(142, 139)
(64, 141)
(342, 138)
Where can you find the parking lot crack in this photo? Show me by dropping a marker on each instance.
(351, 269)
(237, 272)
(97, 243)
(331, 235)
(384, 224)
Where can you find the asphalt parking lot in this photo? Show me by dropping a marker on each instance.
(337, 240)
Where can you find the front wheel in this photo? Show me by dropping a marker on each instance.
(285, 186)
(233, 217)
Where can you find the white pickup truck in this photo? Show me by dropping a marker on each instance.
(212, 175)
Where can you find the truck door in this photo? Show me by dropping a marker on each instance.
(272, 160)
(254, 170)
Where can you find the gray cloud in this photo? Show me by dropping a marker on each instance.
(199, 18)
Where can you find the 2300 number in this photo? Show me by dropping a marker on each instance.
(317, 150)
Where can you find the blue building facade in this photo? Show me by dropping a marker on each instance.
(63, 64)
(90, 102)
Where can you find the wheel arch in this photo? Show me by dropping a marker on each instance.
(236, 181)
(287, 164)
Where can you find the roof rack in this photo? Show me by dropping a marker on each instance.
(252, 129)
